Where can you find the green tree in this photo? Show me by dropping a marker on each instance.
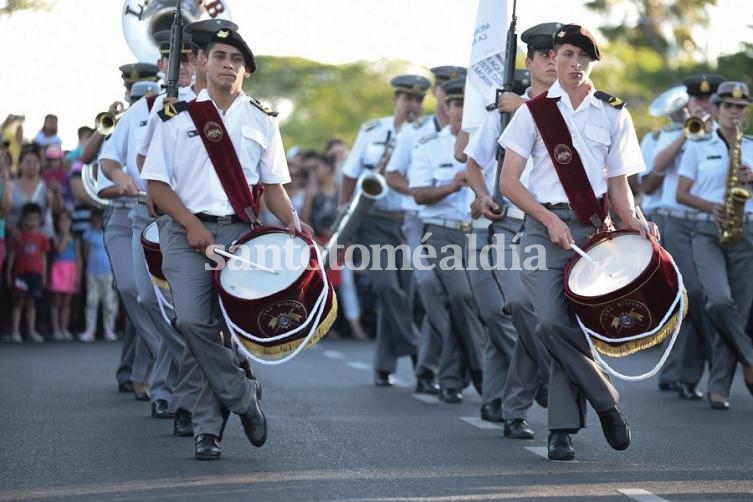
(317, 101)
(12, 6)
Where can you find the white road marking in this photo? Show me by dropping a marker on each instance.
(640, 495)
(481, 424)
(333, 354)
(541, 451)
(359, 366)
(426, 398)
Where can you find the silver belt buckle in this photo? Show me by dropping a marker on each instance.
(224, 220)
(466, 226)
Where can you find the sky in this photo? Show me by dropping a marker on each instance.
(64, 61)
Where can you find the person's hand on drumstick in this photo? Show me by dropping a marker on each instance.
(198, 237)
(559, 232)
(296, 225)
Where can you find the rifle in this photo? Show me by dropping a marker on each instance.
(511, 48)
(176, 45)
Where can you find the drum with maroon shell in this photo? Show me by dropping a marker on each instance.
(633, 300)
(277, 299)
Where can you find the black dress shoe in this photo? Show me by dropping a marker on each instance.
(426, 385)
(615, 428)
(749, 386)
(517, 428)
(560, 447)
(254, 422)
(492, 411)
(159, 409)
(718, 405)
(126, 386)
(542, 395)
(207, 447)
(141, 396)
(182, 425)
(669, 386)
(451, 396)
(383, 379)
(689, 391)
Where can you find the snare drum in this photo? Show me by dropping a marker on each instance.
(637, 305)
(275, 315)
(153, 255)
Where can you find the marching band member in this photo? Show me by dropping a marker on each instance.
(438, 184)
(561, 211)
(397, 334)
(118, 163)
(430, 292)
(205, 164)
(513, 385)
(687, 359)
(706, 176)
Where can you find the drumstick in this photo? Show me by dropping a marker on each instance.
(244, 260)
(296, 221)
(593, 262)
(642, 219)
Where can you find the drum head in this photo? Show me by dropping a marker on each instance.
(625, 257)
(277, 251)
(151, 233)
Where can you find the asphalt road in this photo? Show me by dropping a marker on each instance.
(69, 435)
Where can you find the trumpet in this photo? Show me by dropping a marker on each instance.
(695, 126)
(104, 122)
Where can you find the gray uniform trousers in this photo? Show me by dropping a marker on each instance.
(199, 320)
(529, 366)
(436, 320)
(190, 380)
(118, 236)
(501, 334)
(574, 376)
(165, 374)
(397, 334)
(127, 354)
(693, 347)
(725, 273)
(462, 349)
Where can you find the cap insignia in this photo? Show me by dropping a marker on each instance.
(705, 86)
(737, 92)
(561, 34)
(416, 87)
(134, 73)
(223, 33)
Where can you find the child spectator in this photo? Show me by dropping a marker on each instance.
(98, 282)
(6, 188)
(27, 270)
(65, 272)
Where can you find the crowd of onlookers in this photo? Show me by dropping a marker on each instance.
(57, 283)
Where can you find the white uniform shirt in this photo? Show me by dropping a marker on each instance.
(648, 149)
(433, 164)
(669, 185)
(706, 162)
(603, 136)
(405, 142)
(184, 94)
(177, 155)
(366, 154)
(482, 147)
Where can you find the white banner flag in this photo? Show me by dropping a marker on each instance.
(486, 68)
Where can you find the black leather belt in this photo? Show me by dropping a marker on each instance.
(566, 205)
(228, 219)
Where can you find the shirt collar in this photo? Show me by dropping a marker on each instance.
(556, 91)
(204, 96)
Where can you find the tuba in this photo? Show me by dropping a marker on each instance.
(735, 196)
(143, 18)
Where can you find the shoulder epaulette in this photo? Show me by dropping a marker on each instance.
(427, 137)
(614, 101)
(371, 124)
(420, 121)
(171, 110)
(261, 107)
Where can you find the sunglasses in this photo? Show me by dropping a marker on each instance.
(734, 105)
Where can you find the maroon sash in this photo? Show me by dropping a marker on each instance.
(566, 160)
(225, 161)
(150, 101)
